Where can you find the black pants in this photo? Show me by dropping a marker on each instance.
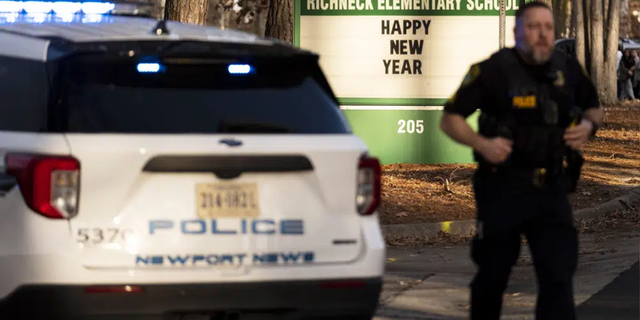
(505, 210)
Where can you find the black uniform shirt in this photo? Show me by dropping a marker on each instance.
(486, 88)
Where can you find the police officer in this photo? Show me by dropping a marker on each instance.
(529, 97)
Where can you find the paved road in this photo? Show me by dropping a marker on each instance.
(431, 283)
(620, 299)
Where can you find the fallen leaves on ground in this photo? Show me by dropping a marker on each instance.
(419, 193)
(620, 220)
(440, 238)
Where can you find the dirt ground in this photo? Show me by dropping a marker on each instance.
(415, 193)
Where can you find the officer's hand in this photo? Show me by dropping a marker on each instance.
(495, 150)
(577, 136)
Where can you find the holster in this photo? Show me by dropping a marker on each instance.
(575, 160)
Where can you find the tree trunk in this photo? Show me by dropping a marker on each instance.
(572, 26)
(605, 18)
(187, 11)
(586, 11)
(280, 20)
(568, 19)
(611, 53)
(625, 19)
(597, 47)
(634, 26)
(581, 36)
(559, 15)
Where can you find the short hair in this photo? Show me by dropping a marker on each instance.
(530, 5)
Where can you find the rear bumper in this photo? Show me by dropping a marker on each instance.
(342, 299)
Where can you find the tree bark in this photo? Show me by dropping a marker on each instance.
(568, 18)
(605, 18)
(586, 11)
(625, 19)
(561, 18)
(597, 45)
(581, 40)
(634, 25)
(280, 20)
(611, 53)
(572, 25)
(187, 11)
(557, 12)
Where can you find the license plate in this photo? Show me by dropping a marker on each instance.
(227, 200)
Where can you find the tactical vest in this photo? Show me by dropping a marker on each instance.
(539, 114)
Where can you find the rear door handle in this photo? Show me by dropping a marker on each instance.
(7, 183)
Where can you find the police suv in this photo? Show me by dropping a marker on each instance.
(156, 170)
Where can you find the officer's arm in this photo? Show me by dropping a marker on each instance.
(460, 106)
(595, 115)
(587, 97)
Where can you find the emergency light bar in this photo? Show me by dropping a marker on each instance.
(71, 7)
(154, 67)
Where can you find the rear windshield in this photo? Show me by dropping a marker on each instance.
(198, 98)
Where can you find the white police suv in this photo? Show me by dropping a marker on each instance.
(155, 170)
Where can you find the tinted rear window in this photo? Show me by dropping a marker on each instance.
(101, 97)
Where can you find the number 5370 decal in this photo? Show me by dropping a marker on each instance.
(102, 235)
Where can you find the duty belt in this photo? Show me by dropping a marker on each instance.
(538, 177)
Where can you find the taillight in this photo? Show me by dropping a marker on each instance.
(368, 193)
(50, 185)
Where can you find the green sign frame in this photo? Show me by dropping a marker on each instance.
(405, 130)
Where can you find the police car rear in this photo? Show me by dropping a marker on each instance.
(155, 170)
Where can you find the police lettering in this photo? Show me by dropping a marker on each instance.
(242, 226)
(524, 102)
(235, 259)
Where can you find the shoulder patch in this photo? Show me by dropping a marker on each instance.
(471, 75)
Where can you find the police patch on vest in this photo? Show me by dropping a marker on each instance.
(522, 102)
(559, 79)
(473, 73)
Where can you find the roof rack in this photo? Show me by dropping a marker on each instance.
(142, 8)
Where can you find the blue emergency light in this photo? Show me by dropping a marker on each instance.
(56, 7)
(148, 67)
(239, 69)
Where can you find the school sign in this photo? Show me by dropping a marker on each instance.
(394, 63)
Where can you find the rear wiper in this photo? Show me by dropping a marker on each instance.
(237, 127)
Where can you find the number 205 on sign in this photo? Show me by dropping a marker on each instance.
(410, 126)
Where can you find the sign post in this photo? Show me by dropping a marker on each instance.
(503, 18)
